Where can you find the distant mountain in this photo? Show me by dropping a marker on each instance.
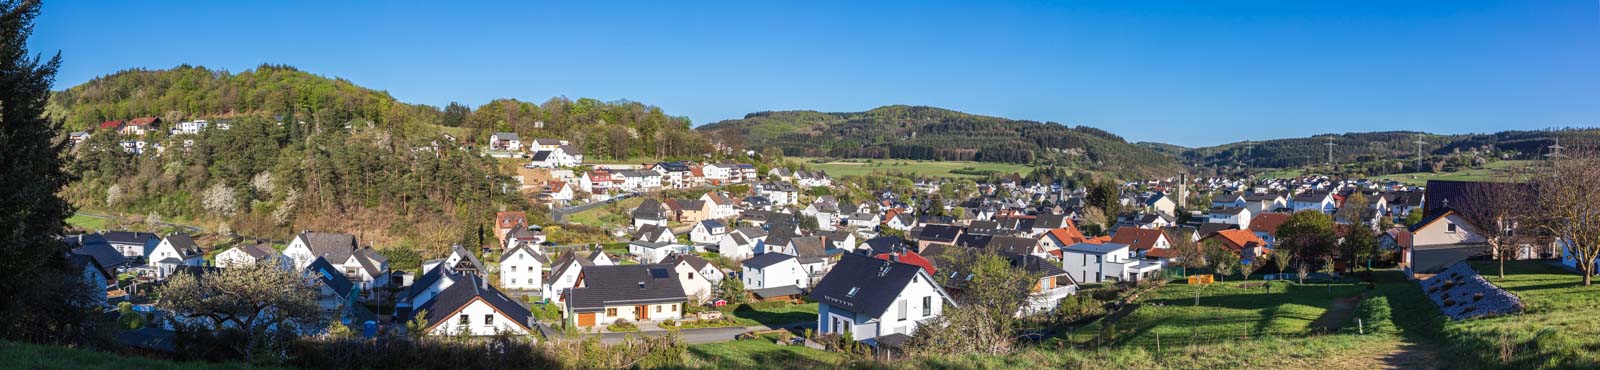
(1377, 146)
(928, 133)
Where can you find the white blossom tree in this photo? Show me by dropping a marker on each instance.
(219, 199)
(253, 299)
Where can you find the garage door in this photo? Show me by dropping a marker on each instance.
(586, 319)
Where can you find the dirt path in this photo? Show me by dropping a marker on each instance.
(1338, 312)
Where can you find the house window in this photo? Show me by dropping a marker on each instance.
(488, 320)
(903, 309)
(465, 320)
(674, 308)
(691, 275)
(1096, 259)
(1450, 227)
(927, 306)
(658, 308)
(611, 312)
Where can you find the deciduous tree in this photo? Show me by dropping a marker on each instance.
(257, 300)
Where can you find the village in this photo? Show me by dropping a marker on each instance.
(778, 252)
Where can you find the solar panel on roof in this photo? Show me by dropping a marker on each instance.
(658, 273)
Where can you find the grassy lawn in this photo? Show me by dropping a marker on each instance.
(87, 222)
(28, 356)
(1557, 329)
(607, 216)
(1491, 171)
(763, 353)
(1226, 311)
(774, 313)
(856, 167)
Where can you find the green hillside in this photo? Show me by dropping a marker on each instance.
(1366, 147)
(927, 133)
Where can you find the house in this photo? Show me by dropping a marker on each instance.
(595, 182)
(898, 220)
(78, 137)
(1052, 241)
(871, 299)
(810, 251)
(505, 221)
(652, 251)
(1314, 200)
(333, 289)
(361, 265)
(697, 276)
(636, 180)
(505, 141)
(741, 243)
(865, 220)
(1264, 202)
(649, 212)
(708, 232)
(246, 255)
(95, 246)
(546, 144)
(781, 193)
(771, 270)
(190, 127)
(1228, 200)
(722, 206)
(460, 261)
(653, 233)
(139, 126)
(524, 237)
(1161, 203)
(559, 191)
(1439, 241)
(565, 270)
(97, 279)
(173, 251)
(131, 244)
(1395, 239)
(473, 307)
(937, 234)
(562, 156)
(1096, 263)
(1141, 241)
(813, 179)
(605, 294)
(522, 268)
(688, 211)
(1266, 226)
(1243, 242)
(1054, 283)
(1230, 215)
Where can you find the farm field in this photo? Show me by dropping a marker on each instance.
(1491, 171)
(857, 167)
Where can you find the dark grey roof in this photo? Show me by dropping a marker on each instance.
(80, 262)
(781, 236)
(102, 252)
(939, 233)
(542, 155)
(335, 246)
(810, 249)
(1227, 210)
(183, 243)
(129, 237)
(1206, 229)
(694, 261)
(764, 260)
(258, 251)
(865, 285)
(370, 261)
(976, 241)
(322, 270)
(1007, 245)
(1311, 196)
(712, 224)
(451, 300)
(543, 260)
(432, 276)
(650, 232)
(1050, 221)
(626, 285)
(885, 244)
(786, 290)
(1035, 264)
(1435, 258)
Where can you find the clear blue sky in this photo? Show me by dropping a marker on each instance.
(1184, 72)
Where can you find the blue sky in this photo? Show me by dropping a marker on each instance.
(1184, 72)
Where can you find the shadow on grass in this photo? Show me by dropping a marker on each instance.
(771, 318)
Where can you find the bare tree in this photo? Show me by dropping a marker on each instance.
(1493, 210)
(255, 299)
(991, 292)
(1189, 253)
(1568, 206)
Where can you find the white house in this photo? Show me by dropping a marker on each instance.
(708, 232)
(653, 233)
(636, 180)
(697, 276)
(653, 252)
(638, 293)
(1320, 201)
(565, 270)
(245, 255)
(522, 268)
(1228, 200)
(781, 193)
(173, 251)
(871, 299)
(771, 270)
(1231, 215)
(722, 206)
(505, 141)
(473, 307)
(563, 156)
(1095, 263)
(741, 243)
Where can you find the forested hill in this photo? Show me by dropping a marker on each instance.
(914, 132)
(1366, 147)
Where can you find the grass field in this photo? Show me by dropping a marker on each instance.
(1226, 310)
(856, 167)
(1557, 329)
(774, 313)
(1491, 171)
(87, 222)
(607, 216)
(762, 353)
(15, 355)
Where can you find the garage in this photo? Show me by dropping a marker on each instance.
(586, 319)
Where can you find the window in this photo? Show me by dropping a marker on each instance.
(674, 308)
(835, 326)
(488, 320)
(1450, 227)
(465, 320)
(1096, 259)
(927, 306)
(513, 269)
(611, 312)
(903, 309)
(691, 275)
(658, 308)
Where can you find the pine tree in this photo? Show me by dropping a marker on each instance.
(31, 213)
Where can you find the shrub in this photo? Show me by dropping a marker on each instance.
(668, 323)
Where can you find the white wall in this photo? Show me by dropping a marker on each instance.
(477, 325)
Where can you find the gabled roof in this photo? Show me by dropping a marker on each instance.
(868, 286)
(129, 237)
(1136, 238)
(694, 262)
(322, 270)
(543, 260)
(1067, 235)
(911, 258)
(1212, 227)
(467, 257)
(651, 232)
(508, 219)
(1268, 222)
(764, 260)
(1236, 240)
(939, 233)
(452, 300)
(184, 244)
(334, 246)
(626, 285)
(1036, 264)
(102, 252)
(258, 251)
(885, 244)
(80, 262)
(810, 249)
(1311, 196)
(1010, 245)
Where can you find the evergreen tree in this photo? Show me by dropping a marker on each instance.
(33, 303)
